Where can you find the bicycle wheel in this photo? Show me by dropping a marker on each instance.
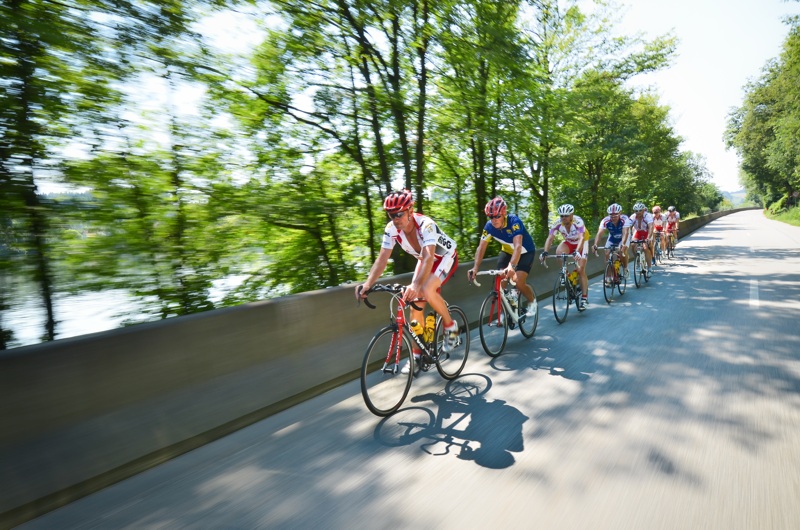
(383, 385)
(609, 280)
(493, 325)
(622, 283)
(659, 254)
(449, 364)
(637, 269)
(527, 324)
(561, 298)
(646, 270)
(671, 246)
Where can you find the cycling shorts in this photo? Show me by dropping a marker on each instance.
(524, 264)
(443, 266)
(583, 246)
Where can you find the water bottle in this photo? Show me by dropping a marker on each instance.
(513, 296)
(430, 324)
(616, 267)
(573, 278)
(416, 327)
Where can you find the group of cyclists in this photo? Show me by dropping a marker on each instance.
(421, 237)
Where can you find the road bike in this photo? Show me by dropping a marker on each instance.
(672, 237)
(613, 278)
(384, 386)
(659, 255)
(567, 288)
(641, 267)
(504, 308)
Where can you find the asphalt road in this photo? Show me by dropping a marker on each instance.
(678, 406)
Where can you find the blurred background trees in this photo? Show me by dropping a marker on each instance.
(198, 154)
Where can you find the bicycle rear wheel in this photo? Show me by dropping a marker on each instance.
(451, 363)
(609, 280)
(561, 298)
(527, 324)
(383, 385)
(493, 325)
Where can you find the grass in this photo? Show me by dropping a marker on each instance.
(791, 216)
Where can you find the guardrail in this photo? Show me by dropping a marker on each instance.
(79, 414)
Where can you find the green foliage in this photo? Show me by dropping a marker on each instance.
(275, 184)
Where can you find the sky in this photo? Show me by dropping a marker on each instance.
(722, 44)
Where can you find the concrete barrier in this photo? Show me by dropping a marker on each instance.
(80, 414)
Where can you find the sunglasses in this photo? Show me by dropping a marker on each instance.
(495, 216)
(397, 215)
(565, 216)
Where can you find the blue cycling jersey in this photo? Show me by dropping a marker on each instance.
(615, 229)
(505, 234)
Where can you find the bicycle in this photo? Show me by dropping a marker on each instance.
(613, 278)
(383, 385)
(493, 324)
(641, 271)
(671, 240)
(566, 289)
(659, 255)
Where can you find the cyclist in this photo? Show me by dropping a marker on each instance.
(617, 225)
(642, 230)
(517, 249)
(673, 222)
(659, 222)
(418, 235)
(576, 241)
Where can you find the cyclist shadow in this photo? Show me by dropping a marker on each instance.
(466, 424)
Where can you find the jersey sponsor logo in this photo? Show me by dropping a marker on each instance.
(514, 228)
(445, 242)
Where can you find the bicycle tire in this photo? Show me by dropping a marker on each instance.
(384, 391)
(561, 298)
(493, 325)
(608, 283)
(450, 364)
(637, 270)
(622, 284)
(527, 324)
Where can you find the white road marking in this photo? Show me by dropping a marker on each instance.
(753, 293)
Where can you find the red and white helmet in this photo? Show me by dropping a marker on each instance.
(495, 207)
(397, 201)
(614, 208)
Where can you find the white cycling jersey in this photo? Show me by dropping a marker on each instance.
(427, 233)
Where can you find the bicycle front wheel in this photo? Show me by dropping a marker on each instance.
(493, 325)
(561, 298)
(527, 324)
(383, 384)
(450, 361)
(622, 282)
(637, 270)
(609, 281)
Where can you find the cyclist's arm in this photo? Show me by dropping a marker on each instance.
(548, 242)
(600, 231)
(479, 253)
(377, 269)
(517, 253)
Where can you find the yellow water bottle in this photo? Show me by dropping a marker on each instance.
(430, 323)
(416, 327)
(616, 266)
(573, 277)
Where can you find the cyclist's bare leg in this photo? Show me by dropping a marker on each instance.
(434, 298)
(523, 287)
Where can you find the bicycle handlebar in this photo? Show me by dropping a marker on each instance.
(393, 288)
(494, 272)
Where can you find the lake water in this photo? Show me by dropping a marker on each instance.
(82, 313)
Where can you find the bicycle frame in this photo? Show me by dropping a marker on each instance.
(498, 288)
